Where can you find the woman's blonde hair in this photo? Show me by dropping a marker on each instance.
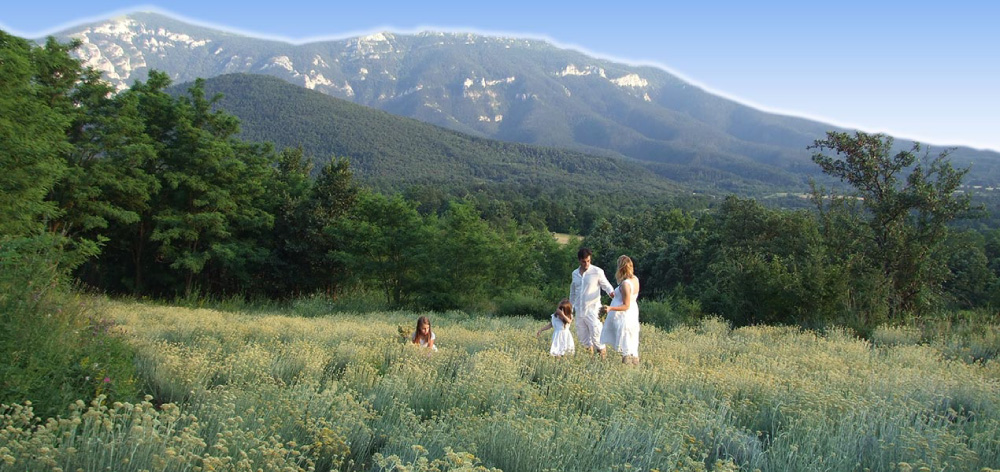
(625, 269)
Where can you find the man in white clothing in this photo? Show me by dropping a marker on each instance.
(585, 295)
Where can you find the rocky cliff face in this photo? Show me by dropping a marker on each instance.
(512, 89)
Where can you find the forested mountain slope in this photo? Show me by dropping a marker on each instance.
(390, 151)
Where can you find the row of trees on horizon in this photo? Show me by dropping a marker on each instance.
(148, 194)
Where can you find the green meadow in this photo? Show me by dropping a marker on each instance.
(343, 391)
(859, 335)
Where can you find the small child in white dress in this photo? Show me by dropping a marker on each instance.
(423, 335)
(562, 337)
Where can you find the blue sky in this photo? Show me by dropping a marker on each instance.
(920, 70)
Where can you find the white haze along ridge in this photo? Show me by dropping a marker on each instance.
(364, 45)
(937, 142)
(525, 37)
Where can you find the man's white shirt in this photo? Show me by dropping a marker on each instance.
(585, 290)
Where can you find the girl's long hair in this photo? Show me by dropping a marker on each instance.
(423, 320)
(567, 308)
(625, 269)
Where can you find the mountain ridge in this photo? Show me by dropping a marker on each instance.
(519, 90)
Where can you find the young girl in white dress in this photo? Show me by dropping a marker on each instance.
(423, 335)
(621, 327)
(562, 337)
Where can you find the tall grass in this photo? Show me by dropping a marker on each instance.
(55, 347)
(343, 392)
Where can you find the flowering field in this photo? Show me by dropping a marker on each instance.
(278, 392)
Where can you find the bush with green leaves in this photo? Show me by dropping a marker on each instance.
(56, 346)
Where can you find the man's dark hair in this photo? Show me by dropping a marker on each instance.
(584, 252)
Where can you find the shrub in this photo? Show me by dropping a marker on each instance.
(356, 301)
(56, 347)
(670, 313)
(525, 305)
(886, 335)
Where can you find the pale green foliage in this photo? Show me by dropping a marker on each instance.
(342, 392)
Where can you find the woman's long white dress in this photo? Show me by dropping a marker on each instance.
(562, 338)
(621, 328)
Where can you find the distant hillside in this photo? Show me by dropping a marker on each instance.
(512, 89)
(391, 151)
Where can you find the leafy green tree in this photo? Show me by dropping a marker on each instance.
(131, 250)
(307, 249)
(468, 262)
(211, 185)
(991, 245)
(767, 266)
(846, 236)
(333, 196)
(289, 189)
(646, 237)
(106, 184)
(430, 199)
(538, 263)
(205, 216)
(32, 131)
(386, 245)
(906, 216)
(43, 340)
(970, 282)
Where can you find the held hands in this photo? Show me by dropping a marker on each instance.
(603, 312)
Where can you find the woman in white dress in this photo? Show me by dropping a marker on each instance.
(562, 337)
(621, 327)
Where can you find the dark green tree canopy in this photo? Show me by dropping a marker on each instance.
(906, 214)
(32, 132)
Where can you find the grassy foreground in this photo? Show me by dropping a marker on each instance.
(275, 392)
